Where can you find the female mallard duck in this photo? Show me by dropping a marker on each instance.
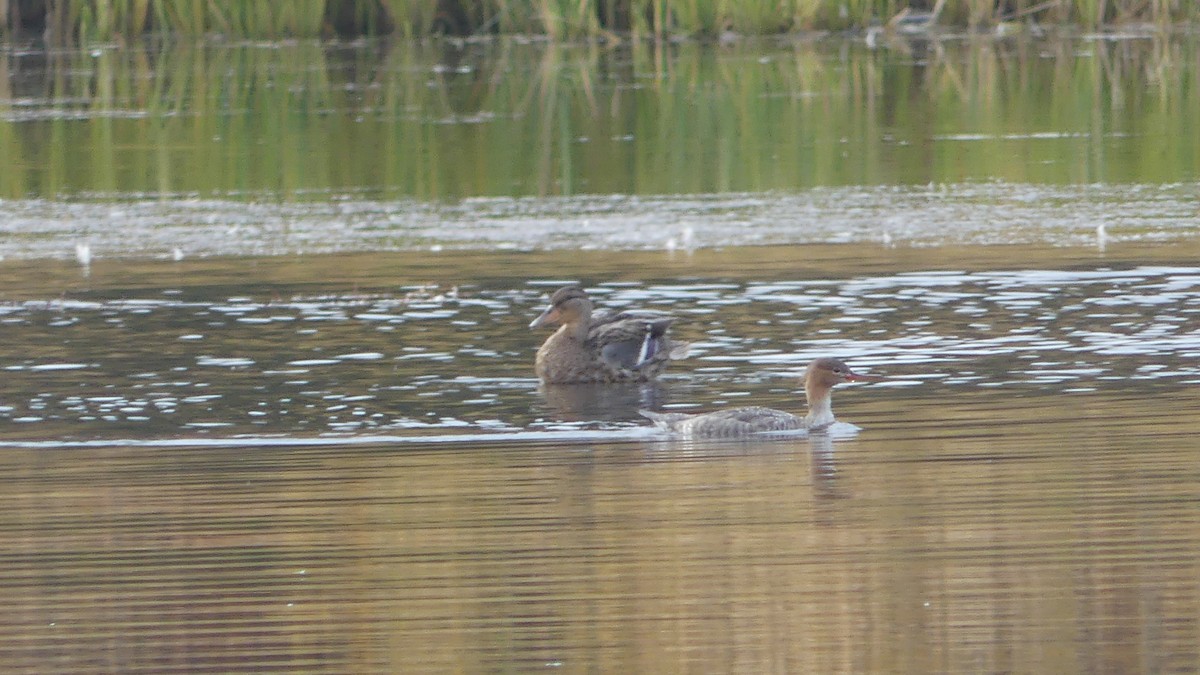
(819, 379)
(629, 346)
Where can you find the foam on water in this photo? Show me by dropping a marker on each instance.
(970, 213)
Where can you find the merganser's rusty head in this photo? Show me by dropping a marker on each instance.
(820, 378)
(825, 372)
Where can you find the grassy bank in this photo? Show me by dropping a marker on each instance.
(92, 20)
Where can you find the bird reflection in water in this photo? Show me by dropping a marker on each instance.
(601, 402)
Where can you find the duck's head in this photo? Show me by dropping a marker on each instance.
(568, 305)
(825, 372)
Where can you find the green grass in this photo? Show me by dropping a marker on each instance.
(107, 20)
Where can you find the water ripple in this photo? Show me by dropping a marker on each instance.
(186, 367)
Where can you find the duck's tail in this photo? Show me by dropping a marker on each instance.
(652, 347)
(680, 350)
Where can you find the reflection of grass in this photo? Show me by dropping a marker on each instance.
(559, 19)
(437, 121)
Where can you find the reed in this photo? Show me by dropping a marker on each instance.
(411, 18)
(106, 20)
(102, 20)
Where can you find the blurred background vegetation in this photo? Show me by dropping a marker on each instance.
(113, 20)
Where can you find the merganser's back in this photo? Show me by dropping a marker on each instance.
(819, 379)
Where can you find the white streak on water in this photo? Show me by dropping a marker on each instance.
(969, 213)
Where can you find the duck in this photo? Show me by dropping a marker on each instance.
(627, 346)
(819, 379)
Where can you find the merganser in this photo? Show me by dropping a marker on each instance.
(628, 346)
(819, 379)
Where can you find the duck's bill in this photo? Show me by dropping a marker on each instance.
(550, 315)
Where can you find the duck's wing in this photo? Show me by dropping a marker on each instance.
(658, 323)
(628, 340)
(643, 315)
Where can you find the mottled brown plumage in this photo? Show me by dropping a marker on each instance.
(629, 346)
(819, 379)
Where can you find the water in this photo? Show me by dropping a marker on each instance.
(210, 463)
(315, 122)
(912, 549)
(272, 421)
(937, 215)
(123, 358)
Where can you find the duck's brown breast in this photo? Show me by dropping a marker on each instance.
(563, 359)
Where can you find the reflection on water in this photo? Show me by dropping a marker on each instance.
(440, 120)
(342, 462)
(927, 548)
(193, 361)
(218, 464)
(308, 148)
(584, 402)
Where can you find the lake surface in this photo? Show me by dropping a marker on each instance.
(267, 399)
